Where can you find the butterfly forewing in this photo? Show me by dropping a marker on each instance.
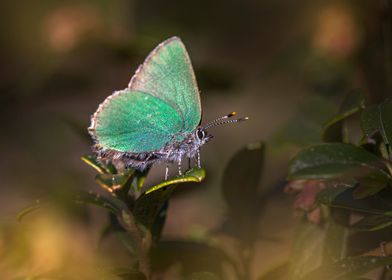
(167, 74)
(134, 121)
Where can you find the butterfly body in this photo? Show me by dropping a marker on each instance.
(157, 117)
(172, 152)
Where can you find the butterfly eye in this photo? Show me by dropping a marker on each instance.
(200, 134)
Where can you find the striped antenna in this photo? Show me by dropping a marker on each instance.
(224, 120)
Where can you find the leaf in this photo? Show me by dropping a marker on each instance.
(28, 210)
(336, 160)
(204, 275)
(328, 195)
(240, 186)
(333, 130)
(148, 206)
(378, 118)
(92, 160)
(348, 267)
(367, 188)
(307, 249)
(116, 183)
(193, 175)
(376, 204)
(373, 222)
(336, 236)
(114, 205)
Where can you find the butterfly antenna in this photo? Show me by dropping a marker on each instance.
(224, 120)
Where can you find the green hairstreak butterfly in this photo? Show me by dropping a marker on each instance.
(157, 117)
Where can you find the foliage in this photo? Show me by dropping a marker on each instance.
(353, 173)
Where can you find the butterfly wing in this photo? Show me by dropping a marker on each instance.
(167, 74)
(134, 121)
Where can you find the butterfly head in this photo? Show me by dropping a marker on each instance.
(202, 136)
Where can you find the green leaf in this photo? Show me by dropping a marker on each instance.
(336, 235)
(373, 222)
(307, 249)
(148, 206)
(204, 275)
(328, 195)
(378, 118)
(344, 199)
(116, 183)
(333, 129)
(336, 160)
(113, 204)
(368, 188)
(28, 210)
(110, 203)
(193, 175)
(92, 160)
(240, 187)
(348, 267)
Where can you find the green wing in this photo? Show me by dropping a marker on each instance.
(133, 121)
(168, 75)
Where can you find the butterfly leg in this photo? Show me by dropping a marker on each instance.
(179, 167)
(167, 172)
(198, 159)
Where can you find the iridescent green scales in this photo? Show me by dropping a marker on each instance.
(161, 104)
(157, 117)
(137, 122)
(167, 74)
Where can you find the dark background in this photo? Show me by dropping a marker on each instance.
(285, 64)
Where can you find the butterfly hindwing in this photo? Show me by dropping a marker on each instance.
(134, 121)
(167, 74)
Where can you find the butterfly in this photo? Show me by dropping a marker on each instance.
(157, 117)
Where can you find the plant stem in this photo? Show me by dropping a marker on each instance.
(143, 241)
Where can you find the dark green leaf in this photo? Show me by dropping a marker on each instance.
(116, 183)
(192, 175)
(110, 203)
(344, 199)
(334, 160)
(335, 239)
(92, 160)
(367, 188)
(148, 206)
(373, 222)
(353, 103)
(378, 118)
(113, 204)
(348, 267)
(204, 275)
(328, 195)
(28, 210)
(240, 185)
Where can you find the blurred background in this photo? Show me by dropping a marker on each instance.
(285, 64)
